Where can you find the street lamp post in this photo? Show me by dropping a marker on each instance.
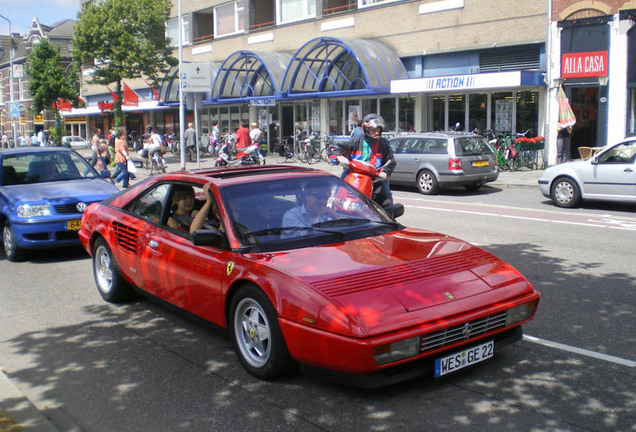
(11, 77)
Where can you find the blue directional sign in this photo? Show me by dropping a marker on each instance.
(14, 110)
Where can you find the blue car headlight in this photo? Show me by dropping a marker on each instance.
(33, 210)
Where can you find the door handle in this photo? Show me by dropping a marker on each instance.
(629, 170)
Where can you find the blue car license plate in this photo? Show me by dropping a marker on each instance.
(73, 225)
(465, 358)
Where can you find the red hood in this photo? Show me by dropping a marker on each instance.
(379, 280)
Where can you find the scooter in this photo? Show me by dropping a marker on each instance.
(361, 175)
(247, 156)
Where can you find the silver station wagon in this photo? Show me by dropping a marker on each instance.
(434, 160)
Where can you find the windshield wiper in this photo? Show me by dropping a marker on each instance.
(352, 221)
(279, 230)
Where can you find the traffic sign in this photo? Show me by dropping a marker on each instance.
(196, 77)
(14, 110)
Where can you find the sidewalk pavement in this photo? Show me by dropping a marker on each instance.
(523, 179)
(32, 420)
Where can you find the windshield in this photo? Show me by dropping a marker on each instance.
(301, 211)
(43, 167)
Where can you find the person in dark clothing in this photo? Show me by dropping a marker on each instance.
(374, 149)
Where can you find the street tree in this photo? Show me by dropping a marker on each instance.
(123, 39)
(49, 82)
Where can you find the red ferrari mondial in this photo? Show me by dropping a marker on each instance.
(304, 270)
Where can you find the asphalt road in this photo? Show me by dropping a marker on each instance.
(92, 366)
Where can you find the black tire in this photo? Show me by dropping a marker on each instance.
(111, 285)
(427, 183)
(11, 249)
(565, 192)
(256, 335)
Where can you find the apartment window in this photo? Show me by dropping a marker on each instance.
(364, 3)
(295, 10)
(228, 19)
(172, 31)
(337, 6)
(203, 28)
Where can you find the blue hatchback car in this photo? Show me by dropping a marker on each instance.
(43, 193)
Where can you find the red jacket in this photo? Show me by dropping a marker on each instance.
(243, 138)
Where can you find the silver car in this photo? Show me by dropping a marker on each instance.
(609, 175)
(434, 160)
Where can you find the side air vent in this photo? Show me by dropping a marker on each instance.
(126, 237)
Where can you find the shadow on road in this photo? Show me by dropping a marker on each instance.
(140, 366)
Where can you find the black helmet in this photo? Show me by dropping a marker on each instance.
(372, 121)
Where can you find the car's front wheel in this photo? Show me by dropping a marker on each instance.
(565, 192)
(427, 183)
(110, 283)
(11, 249)
(257, 337)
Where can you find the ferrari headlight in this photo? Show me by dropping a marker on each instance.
(397, 351)
(28, 210)
(520, 313)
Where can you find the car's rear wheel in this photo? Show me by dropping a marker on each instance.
(565, 192)
(427, 183)
(257, 337)
(111, 285)
(11, 249)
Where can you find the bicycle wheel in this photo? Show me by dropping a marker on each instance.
(302, 156)
(313, 154)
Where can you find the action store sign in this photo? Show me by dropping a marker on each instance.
(584, 64)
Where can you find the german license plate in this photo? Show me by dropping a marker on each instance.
(73, 225)
(480, 163)
(465, 358)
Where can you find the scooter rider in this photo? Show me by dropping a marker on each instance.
(374, 149)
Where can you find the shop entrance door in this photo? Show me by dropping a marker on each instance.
(590, 129)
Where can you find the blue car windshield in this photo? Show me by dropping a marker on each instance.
(40, 167)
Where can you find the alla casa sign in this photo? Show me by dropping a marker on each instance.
(584, 64)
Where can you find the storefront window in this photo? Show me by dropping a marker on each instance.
(631, 118)
(501, 115)
(335, 117)
(353, 113)
(369, 106)
(301, 117)
(407, 114)
(527, 111)
(457, 112)
(387, 111)
(437, 113)
(477, 112)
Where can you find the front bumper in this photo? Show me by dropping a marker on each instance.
(403, 372)
(41, 235)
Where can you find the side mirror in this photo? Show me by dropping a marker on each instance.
(209, 237)
(395, 210)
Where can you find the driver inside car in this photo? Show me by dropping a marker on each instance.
(313, 208)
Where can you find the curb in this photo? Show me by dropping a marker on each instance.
(27, 416)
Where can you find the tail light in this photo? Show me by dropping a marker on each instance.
(454, 164)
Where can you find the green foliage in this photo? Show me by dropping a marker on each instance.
(47, 78)
(126, 38)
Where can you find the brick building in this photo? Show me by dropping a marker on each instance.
(27, 123)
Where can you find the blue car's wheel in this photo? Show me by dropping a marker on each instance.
(11, 249)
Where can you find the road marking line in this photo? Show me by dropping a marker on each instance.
(534, 219)
(581, 351)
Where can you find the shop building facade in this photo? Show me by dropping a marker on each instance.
(317, 65)
(593, 50)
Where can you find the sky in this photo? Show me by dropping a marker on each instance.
(21, 13)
